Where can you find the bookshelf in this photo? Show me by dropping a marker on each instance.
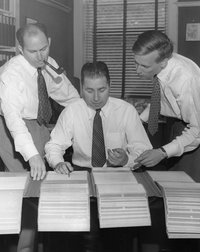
(8, 25)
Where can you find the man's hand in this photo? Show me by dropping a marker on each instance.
(64, 168)
(117, 157)
(37, 167)
(150, 158)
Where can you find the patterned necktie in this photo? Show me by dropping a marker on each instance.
(98, 146)
(44, 106)
(154, 108)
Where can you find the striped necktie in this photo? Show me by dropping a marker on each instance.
(44, 106)
(154, 108)
(98, 146)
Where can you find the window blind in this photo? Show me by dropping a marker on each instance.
(112, 26)
(5, 5)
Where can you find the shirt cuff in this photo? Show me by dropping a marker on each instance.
(144, 116)
(172, 150)
(54, 160)
(28, 151)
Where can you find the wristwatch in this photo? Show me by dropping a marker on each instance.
(164, 152)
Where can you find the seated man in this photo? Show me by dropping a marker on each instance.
(102, 130)
(124, 137)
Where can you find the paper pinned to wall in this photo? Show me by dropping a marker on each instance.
(193, 32)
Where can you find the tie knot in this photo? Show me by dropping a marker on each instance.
(39, 70)
(98, 111)
(155, 79)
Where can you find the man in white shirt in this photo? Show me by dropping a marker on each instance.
(22, 137)
(179, 79)
(124, 135)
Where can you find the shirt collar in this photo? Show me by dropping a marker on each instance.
(104, 110)
(32, 70)
(164, 75)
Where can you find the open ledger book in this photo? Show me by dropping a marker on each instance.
(11, 194)
(64, 202)
(122, 201)
(182, 203)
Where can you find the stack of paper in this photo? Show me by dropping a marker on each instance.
(113, 176)
(64, 203)
(11, 194)
(122, 202)
(170, 176)
(182, 209)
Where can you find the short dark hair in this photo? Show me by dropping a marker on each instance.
(95, 69)
(152, 40)
(31, 29)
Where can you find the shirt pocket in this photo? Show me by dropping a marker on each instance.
(115, 140)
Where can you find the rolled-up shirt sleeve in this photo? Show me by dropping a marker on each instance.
(12, 106)
(137, 139)
(189, 105)
(61, 139)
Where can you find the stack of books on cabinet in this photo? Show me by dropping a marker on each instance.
(64, 203)
(7, 30)
(5, 55)
(11, 194)
(122, 202)
(7, 37)
(182, 203)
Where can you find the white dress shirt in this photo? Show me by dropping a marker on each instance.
(121, 125)
(180, 98)
(19, 98)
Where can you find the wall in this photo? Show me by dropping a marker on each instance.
(60, 27)
(79, 30)
(172, 19)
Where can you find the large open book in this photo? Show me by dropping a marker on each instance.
(122, 201)
(11, 195)
(64, 202)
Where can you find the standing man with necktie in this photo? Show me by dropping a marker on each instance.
(25, 87)
(179, 81)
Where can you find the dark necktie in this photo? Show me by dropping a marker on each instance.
(154, 108)
(98, 146)
(44, 106)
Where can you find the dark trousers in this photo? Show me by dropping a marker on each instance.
(13, 160)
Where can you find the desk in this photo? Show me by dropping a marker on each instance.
(137, 239)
